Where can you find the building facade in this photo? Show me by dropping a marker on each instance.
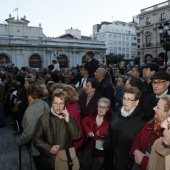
(24, 45)
(149, 19)
(120, 38)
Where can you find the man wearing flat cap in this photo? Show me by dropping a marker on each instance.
(161, 85)
(149, 70)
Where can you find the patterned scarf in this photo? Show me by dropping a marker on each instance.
(156, 125)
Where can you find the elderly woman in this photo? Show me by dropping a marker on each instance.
(55, 132)
(36, 108)
(160, 154)
(88, 100)
(142, 144)
(123, 128)
(95, 128)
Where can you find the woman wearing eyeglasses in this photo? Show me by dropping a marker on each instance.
(142, 143)
(123, 128)
(55, 132)
(160, 154)
(95, 127)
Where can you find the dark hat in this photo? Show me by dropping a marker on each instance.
(152, 66)
(161, 75)
(50, 67)
(29, 78)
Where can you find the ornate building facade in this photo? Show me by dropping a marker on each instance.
(149, 20)
(25, 45)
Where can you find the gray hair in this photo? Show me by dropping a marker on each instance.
(104, 100)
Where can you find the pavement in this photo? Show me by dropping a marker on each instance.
(9, 151)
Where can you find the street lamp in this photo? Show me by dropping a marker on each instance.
(164, 32)
(102, 56)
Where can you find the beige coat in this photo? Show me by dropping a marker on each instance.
(160, 157)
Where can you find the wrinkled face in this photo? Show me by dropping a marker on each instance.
(135, 72)
(129, 101)
(58, 105)
(89, 89)
(159, 86)
(147, 73)
(120, 82)
(166, 125)
(159, 110)
(102, 108)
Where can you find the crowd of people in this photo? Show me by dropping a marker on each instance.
(91, 117)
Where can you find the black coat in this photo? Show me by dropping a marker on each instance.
(148, 105)
(92, 105)
(106, 90)
(122, 131)
(92, 67)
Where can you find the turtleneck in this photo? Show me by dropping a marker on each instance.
(124, 113)
(59, 116)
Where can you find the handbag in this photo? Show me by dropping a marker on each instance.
(67, 160)
(98, 148)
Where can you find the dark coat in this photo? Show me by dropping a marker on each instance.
(106, 90)
(122, 131)
(64, 134)
(148, 105)
(144, 141)
(92, 105)
(92, 67)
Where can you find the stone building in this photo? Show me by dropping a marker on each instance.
(149, 19)
(25, 45)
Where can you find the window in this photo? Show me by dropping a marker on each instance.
(115, 42)
(123, 37)
(127, 37)
(163, 17)
(111, 49)
(123, 49)
(127, 55)
(110, 35)
(115, 35)
(115, 49)
(119, 36)
(110, 41)
(104, 36)
(148, 39)
(148, 20)
(133, 44)
(119, 42)
(127, 49)
(123, 43)
(119, 48)
(127, 43)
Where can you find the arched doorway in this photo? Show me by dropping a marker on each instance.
(4, 59)
(35, 61)
(63, 61)
(148, 58)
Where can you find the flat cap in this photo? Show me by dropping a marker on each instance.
(161, 75)
(152, 66)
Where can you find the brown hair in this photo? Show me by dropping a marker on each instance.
(90, 53)
(123, 79)
(60, 93)
(133, 90)
(166, 98)
(35, 91)
(135, 81)
(72, 94)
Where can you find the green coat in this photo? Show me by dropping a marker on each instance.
(64, 134)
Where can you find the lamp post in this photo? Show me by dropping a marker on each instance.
(164, 31)
(102, 56)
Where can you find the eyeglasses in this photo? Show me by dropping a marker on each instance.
(166, 118)
(158, 83)
(102, 107)
(128, 99)
(58, 104)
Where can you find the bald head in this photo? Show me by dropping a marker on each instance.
(100, 74)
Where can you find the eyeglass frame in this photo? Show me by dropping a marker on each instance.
(158, 83)
(102, 107)
(128, 99)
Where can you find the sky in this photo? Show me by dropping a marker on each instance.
(56, 16)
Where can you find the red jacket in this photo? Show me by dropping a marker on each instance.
(89, 125)
(74, 109)
(144, 138)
